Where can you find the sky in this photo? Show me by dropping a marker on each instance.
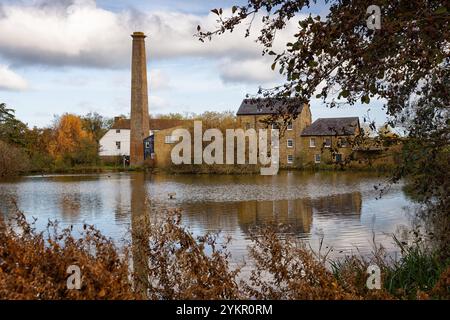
(60, 56)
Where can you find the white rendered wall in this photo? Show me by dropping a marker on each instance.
(108, 143)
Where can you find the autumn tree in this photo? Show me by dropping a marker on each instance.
(72, 144)
(222, 120)
(173, 116)
(37, 142)
(341, 59)
(386, 131)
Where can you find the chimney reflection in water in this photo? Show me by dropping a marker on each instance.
(140, 224)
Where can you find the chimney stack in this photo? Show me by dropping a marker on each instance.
(139, 100)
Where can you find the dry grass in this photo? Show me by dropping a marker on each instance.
(181, 266)
(166, 261)
(33, 264)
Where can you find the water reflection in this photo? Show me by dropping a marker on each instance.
(341, 207)
(140, 223)
(296, 214)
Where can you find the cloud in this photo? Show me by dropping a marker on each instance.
(79, 33)
(159, 80)
(63, 33)
(11, 81)
(248, 71)
(157, 104)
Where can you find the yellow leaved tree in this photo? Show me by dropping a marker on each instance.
(72, 144)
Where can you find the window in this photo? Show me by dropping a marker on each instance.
(290, 158)
(312, 142)
(290, 126)
(247, 125)
(327, 142)
(338, 157)
(169, 139)
(118, 145)
(117, 130)
(290, 143)
(317, 158)
(274, 126)
(342, 142)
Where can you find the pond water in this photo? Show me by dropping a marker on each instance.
(339, 207)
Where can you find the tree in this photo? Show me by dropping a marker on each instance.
(386, 131)
(12, 130)
(70, 141)
(37, 145)
(222, 120)
(341, 51)
(404, 64)
(5, 113)
(171, 116)
(13, 160)
(96, 125)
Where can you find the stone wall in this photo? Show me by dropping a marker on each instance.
(298, 125)
(327, 154)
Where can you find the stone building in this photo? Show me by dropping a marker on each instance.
(253, 112)
(164, 143)
(116, 142)
(302, 143)
(328, 140)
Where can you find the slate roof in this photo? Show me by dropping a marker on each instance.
(262, 106)
(155, 124)
(332, 126)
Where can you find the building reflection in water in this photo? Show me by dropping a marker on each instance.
(296, 214)
(70, 205)
(75, 203)
(140, 224)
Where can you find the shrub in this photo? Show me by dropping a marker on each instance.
(166, 261)
(13, 160)
(177, 265)
(33, 265)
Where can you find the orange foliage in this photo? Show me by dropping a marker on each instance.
(68, 135)
(33, 265)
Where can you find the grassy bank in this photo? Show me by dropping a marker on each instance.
(84, 170)
(192, 169)
(165, 261)
(255, 169)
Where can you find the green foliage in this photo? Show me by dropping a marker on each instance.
(5, 113)
(96, 125)
(11, 130)
(86, 153)
(418, 270)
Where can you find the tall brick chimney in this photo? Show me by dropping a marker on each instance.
(139, 100)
